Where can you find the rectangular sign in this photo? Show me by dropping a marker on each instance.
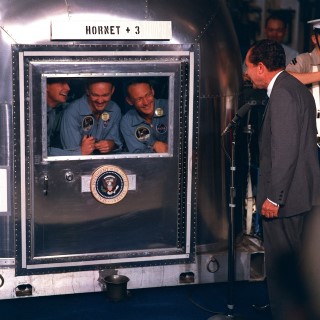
(86, 180)
(111, 30)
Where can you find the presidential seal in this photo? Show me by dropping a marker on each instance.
(109, 184)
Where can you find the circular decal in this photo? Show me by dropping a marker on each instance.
(87, 123)
(158, 112)
(109, 184)
(142, 133)
(161, 128)
(105, 116)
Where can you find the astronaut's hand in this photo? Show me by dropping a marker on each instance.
(160, 147)
(87, 145)
(105, 146)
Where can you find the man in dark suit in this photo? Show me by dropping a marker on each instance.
(289, 181)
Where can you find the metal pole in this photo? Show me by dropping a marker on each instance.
(231, 240)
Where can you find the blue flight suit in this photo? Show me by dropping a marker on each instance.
(54, 118)
(79, 121)
(139, 135)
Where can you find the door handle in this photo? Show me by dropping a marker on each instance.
(45, 185)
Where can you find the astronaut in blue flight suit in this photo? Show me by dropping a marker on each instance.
(57, 94)
(90, 124)
(145, 127)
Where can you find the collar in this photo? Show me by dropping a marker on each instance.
(270, 86)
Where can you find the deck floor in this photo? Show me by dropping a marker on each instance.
(194, 302)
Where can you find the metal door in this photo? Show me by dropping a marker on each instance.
(61, 224)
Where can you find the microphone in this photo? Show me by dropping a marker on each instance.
(239, 115)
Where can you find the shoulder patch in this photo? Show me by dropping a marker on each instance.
(294, 61)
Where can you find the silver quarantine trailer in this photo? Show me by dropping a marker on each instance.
(165, 220)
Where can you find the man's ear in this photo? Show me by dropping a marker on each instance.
(261, 67)
(129, 101)
(313, 39)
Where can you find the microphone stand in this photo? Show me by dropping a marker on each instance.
(231, 240)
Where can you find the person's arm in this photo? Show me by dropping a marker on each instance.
(300, 68)
(70, 134)
(285, 132)
(87, 145)
(160, 147)
(306, 77)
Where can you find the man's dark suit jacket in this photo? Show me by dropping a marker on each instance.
(289, 167)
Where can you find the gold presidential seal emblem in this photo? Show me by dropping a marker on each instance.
(109, 184)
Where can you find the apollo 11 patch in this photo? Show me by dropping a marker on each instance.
(87, 123)
(142, 133)
(109, 184)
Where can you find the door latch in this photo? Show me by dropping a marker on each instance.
(45, 185)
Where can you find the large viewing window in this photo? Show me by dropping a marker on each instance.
(162, 99)
(169, 72)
